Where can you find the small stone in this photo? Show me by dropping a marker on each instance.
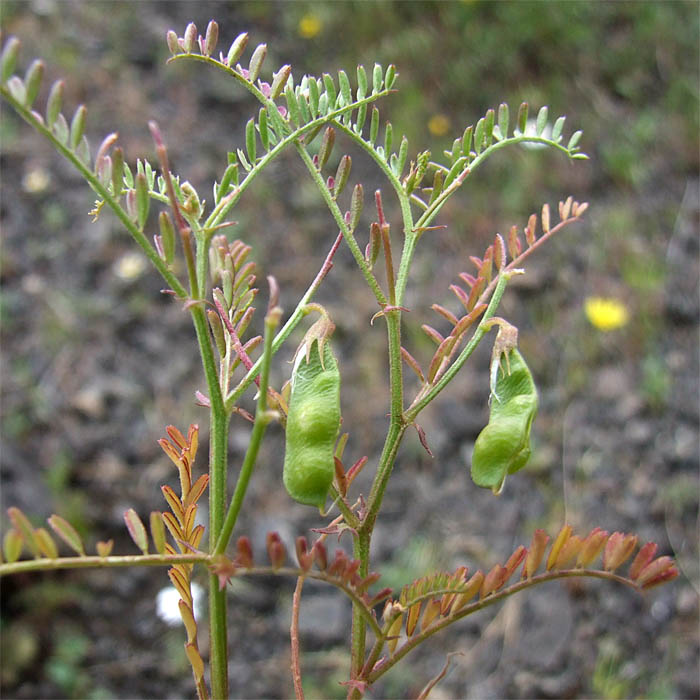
(90, 400)
(687, 601)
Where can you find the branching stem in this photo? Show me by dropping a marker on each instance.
(482, 603)
(262, 419)
(288, 327)
(101, 190)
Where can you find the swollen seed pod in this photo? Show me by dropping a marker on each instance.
(313, 422)
(503, 446)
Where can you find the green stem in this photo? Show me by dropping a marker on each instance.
(364, 536)
(398, 425)
(397, 428)
(359, 626)
(435, 389)
(101, 190)
(396, 431)
(344, 228)
(203, 238)
(97, 562)
(371, 151)
(348, 516)
(432, 211)
(218, 458)
(393, 319)
(387, 460)
(218, 640)
(261, 421)
(221, 530)
(292, 322)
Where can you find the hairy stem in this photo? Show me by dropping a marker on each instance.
(218, 459)
(221, 530)
(262, 420)
(359, 627)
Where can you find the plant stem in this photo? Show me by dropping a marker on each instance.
(482, 603)
(393, 439)
(101, 190)
(98, 562)
(348, 234)
(261, 421)
(294, 636)
(391, 447)
(220, 530)
(288, 327)
(479, 333)
(218, 458)
(218, 465)
(386, 462)
(359, 629)
(218, 640)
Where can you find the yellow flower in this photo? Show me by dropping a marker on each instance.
(606, 314)
(438, 124)
(309, 26)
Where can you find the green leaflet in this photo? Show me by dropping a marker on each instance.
(313, 422)
(503, 446)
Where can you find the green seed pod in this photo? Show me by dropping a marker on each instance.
(313, 422)
(503, 446)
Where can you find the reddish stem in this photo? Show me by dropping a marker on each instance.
(327, 263)
(183, 228)
(237, 346)
(294, 635)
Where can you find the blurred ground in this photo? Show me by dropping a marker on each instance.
(95, 362)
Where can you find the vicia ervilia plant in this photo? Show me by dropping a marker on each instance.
(218, 289)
